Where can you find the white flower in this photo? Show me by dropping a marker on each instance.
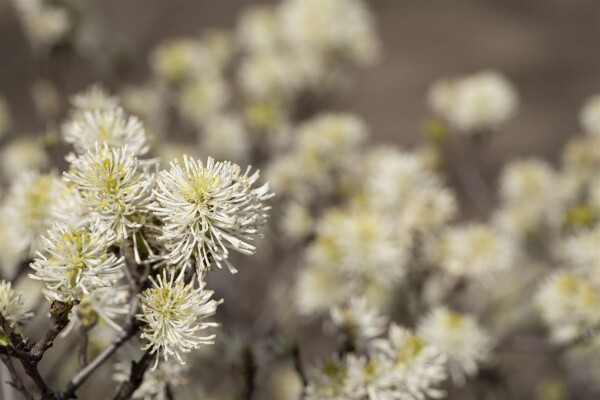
(307, 27)
(358, 321)
(569, 305)
(327, 381)
(208, 210)
(114, 185)
(202, 98)
(296, 222)
(258, 29)
(417, 366)
(225, 138)
(318, 288)
(590, 116)
(460, 338)
(112, 128)
(475, 103)
(175, 313)
(473, 250)
(73, 262)
(107, 303)
(32, 204)
(581, 251)
(12, 306)
(94, 98)
(178, 59)
(45, 24)
(270, 76)
(23, 155)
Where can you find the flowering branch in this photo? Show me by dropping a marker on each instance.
(138, 369)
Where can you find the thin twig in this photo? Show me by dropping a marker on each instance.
(131, 327)
(16, 382)
(298, 365)
(83, 344)
(136, 377)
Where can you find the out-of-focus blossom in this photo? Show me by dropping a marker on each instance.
(590, 116)
(475, 103)
(177, 60)
(569, 304)
(45, 98)
(45, 24)
(473, 250)
(460, 338)
(21, 156)
(296, 222)
(202, 98)
(224, 137)
(358, 322)
(12, 307)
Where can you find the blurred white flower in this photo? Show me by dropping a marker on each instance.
(176, 60)
(208, 210)
(590, 116)
(569, 305)
(203, 97)
(21, 156)
(358, 321)
(32, 204)
(45, 24)
(12, 306)
(296, 222)
(460, 338)
(327, 381)
(225, 138)
(475, 103)
(94, 98)
(581, 251)
(73, 262)
(473, 250)
(112, 128)
(258, 29)
(270, 76)
(307, 27)
(114, 185)
(148, 102)
(318, 288)
(174, 313)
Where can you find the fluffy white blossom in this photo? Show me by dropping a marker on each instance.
(590, 116)
(460, 338)
(358, 321)
(112, 128)
(32, 204)
(104, 303)
(174, 313)
(12, 306)
(225, 138)
(207, 210)
(569, 305)
(114, 185)
(203, 97)
(94, 98)
(45, 24)
(296, 222)
(475, 103)
(307, 27)
(258, 29)
(473, 250)
(73, 261)
(176, 60)
(23, 155)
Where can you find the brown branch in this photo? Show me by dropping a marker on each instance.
(132, 325)
(295, 354)
(136, 377)
(30, 354)
(16, 380)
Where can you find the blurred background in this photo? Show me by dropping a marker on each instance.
(549, 50)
